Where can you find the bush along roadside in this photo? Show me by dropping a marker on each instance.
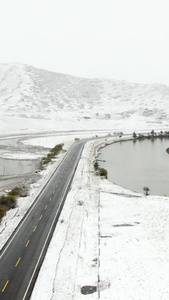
(9, 201)
(100, 171)
(52, 154)
(103, 172)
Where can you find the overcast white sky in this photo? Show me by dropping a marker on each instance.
(118, 39)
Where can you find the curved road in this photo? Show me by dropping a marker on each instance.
(23, 254)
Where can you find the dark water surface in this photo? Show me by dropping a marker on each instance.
(135, 165)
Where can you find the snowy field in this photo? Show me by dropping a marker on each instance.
(107, 237)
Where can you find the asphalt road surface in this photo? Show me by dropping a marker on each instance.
(23, 254)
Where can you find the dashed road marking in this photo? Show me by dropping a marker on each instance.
(5, 286)
(18, 261)
(46, 206)
(41, 217)
(27, 243)
(35, 228)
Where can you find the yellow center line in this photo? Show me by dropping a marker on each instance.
(46, 206)
(5, 286)
(50, 199)
(27, 243)
(18, 261)
(34, 228)
(41, 217)
(53, 192)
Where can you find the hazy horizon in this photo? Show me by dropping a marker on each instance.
(121, 40)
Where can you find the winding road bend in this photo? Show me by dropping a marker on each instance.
(23, 254)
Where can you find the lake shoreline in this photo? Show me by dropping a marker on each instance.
(144, 182)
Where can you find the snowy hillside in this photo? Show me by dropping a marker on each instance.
(120, 245)
(30, 93)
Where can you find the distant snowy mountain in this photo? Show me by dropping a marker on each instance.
(28, 95)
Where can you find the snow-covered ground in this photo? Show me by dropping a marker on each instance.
(13, 217)
(107, 236)
(34, 100)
